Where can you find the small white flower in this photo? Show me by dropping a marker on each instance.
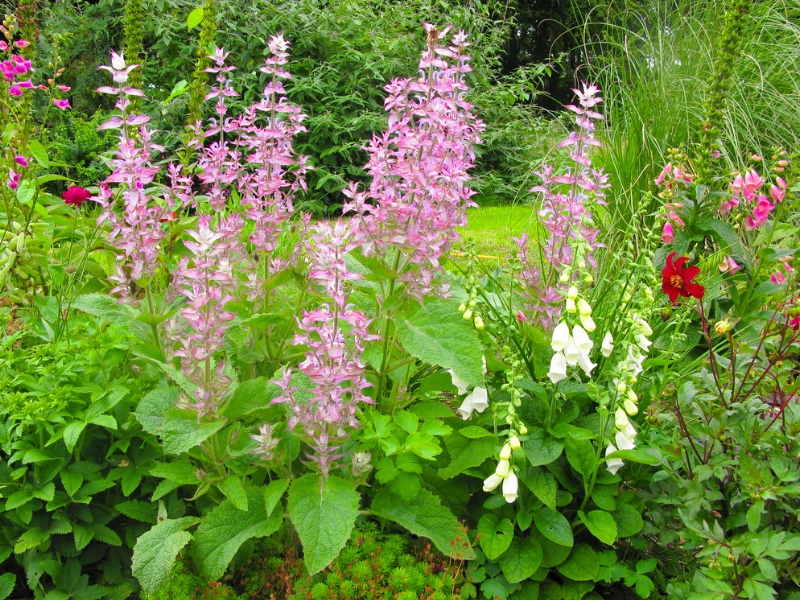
(620, 419)
(560, 337)
(624, 442)
(582, 339)
(613, 464)
(505, 453)
(570, 307)
(621, 387)
(491, 482)
(643, 326)
(510, 487)
(478, 400)
(558, 367)
(632, 396)
(461, 384)
(643, 342)
(572, 293)
(607, 346)
(630, 408)
(584, 309)
(503, 468)
(588, 323)
(513, 441)
(117, 61)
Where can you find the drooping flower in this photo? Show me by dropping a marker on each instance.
(62, 104)
(676, 280)
(76, 195)
(477, 400)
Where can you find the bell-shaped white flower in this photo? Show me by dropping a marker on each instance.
(582, 339)
(503, 468)
(630, 407)
(461, 384)
(491, 482)
(560, 337)
(643, 342)
(510, 487)
(572, 352)
(478, 400)
(620, 419)
(613, 464)
(585, 363)
(584, 309)
(624, 440)
(643, 326)
(505, 453)
(607, 346)
(558, 367)
(588, 323)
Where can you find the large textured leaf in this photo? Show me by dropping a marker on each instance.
(465, 454)
(324, 518)
(155, 552)
(226, 528)
(251, 396)
(582, 564)
(424, 516)
(495, 535)
(437, 334)
(554, 526)
(601, 525)
(104, 307)
(522, 560)
(152, 408)
(181, 434)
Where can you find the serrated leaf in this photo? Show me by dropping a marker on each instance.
(82, 535)
(103, 306)
(152, 408)
(437, 334)
(177, 472)
(495, 535)
(250, 396)
(581, 565)
(106, 421)
(181, 434)
(30, 539)
(554, 526)
(194, 18)
(226, 528)
(273, 494)
(600, 524)
(138, 510)
(7, 582)
(72, 434)
(424, 516)
(407, 421)
(323, 513)
(156, 550)
(522, 560)
(234, 491)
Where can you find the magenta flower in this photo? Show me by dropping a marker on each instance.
(13, 179)
(667, 234)
(14, 91)
(21, 161)
(62, 104)
(76, 196)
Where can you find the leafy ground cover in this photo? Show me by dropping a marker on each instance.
(594, 397)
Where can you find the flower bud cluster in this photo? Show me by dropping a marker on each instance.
(505, 473)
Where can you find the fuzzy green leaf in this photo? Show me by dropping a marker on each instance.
(7, 582)
(226, 528)
(181, 434)
(137, 509)
(250, 396)
(72, 434)
(465, 454)
(437, 334)
(581, 455)
(234, 491)
(424, 516)
(152, 408)
(156, 550)
(103, 306)
(541, 448)
(324, 515)
(543, 485)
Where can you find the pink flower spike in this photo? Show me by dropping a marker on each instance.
(3, 46)
(62, 104)
(14, 91)
(664, 172)
(667, 234)
(776, 193)
(22, 43)
(21, 160)
(777, 277)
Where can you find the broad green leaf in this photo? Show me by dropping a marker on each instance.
(103, 306)
(234, 491)
(753, 517)
(495, 535)
(137, 509)
(156, 550)
(39, 153)
(493, 589)
(177, 90)
(601, 525)
(26, 192)
(181, 434)
(273, 494)
(48, 307)
(634, 455)
(226, 528)
(581, 455)
(30, 538)
(106, 421)
(182, 473)
(629, 521)
(152, 408)
(522, 560)
(250, 396)
(473, 432)
(407, 421)
(543, 485)
(582, 564)
(465, 454)
(541, 448)
(194, 18)
(323, 513)
(425, 516)
(7, 581)
(554, 526)
(437, 334)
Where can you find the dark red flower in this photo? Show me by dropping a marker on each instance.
(677, 280)
(76, 195)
